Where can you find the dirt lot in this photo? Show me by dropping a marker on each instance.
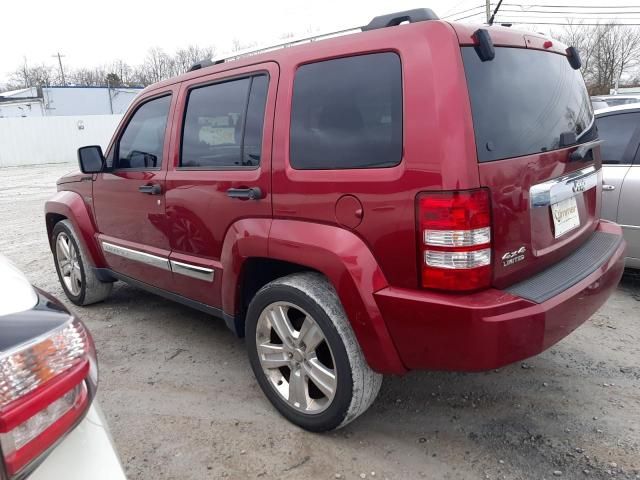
(182, 403)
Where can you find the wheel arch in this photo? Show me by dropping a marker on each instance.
(262, 252)
(70, 206)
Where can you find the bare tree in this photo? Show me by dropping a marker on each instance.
(184, 58)
(32, 76)
(608, 51)
(157, 66)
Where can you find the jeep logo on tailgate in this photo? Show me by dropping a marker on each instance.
(579, 185)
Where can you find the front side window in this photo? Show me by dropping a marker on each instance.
(142, 143)
(616, 131)
(223, 124)
(347, 113)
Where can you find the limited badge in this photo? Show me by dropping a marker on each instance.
(516, 256)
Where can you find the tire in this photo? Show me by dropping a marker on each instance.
(78, 279)
(321, 386)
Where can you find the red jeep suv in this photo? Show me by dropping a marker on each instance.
(415, 196)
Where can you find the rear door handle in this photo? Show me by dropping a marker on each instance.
(608, 188)
(253, 193)
(150, 189)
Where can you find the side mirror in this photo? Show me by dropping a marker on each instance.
(91, 159)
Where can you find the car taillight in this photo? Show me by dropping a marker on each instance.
(44, 392)
(455, 239)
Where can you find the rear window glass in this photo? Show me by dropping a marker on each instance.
(523, 100)
(347, 113)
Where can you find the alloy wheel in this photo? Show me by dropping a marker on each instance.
(68, 264)
(296, 357)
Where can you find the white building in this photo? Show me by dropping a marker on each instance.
(70, 100)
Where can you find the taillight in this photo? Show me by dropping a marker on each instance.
(455, 239)
(43, 392)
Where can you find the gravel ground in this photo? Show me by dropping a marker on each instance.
(182, 402)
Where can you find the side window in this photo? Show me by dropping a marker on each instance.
(255, 121)
(617, 131)
(347, 113)
(223, 124)
(142, 143)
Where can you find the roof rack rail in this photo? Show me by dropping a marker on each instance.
(393, 19)
(201, 64)
(383, 21)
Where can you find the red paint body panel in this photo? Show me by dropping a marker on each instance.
(516, 224)
(72, 205)
(491, 328)
(129, 218)
(245, 239)
(439, 147)
(353, 271)
(198, 211)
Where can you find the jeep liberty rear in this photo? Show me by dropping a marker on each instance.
(424, 196)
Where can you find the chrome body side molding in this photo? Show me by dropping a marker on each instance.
(136, 255)
(194, 271)
(562, 188)
(187, 269)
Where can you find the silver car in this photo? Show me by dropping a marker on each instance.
(619, 127)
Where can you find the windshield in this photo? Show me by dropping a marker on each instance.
(523, 101)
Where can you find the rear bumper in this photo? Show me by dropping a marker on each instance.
(491, 328)
(86, 453)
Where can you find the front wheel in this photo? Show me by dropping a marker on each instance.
(78, 280)
(305, 356)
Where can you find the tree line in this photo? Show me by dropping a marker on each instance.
(610, 55)
(157, 65)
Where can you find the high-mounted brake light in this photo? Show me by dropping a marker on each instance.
(43, 392)
(455, 239)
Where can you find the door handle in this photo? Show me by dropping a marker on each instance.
(608, 188)
(253, 193)
(150, 189)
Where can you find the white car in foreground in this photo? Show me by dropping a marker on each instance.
(50, 425)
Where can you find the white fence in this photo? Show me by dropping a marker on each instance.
(38, 140)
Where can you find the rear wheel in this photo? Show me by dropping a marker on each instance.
(305, 356)
(78, 280)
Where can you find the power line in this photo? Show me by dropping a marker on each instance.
(448, 12)
(572, 6)
(518, 22)
(568, 13)
(468, 16)
(463, 11)
(545, 17)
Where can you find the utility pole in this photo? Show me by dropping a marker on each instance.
(61, 69)
(488, 10)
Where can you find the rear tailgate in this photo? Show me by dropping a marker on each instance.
(530, 111)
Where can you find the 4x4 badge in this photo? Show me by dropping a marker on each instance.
(516, 256)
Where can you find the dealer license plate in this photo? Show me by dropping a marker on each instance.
(565, 216)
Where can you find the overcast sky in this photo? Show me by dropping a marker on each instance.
(92, 33)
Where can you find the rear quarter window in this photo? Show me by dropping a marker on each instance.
(347, 113)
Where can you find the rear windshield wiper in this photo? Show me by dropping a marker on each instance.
(581, 152)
